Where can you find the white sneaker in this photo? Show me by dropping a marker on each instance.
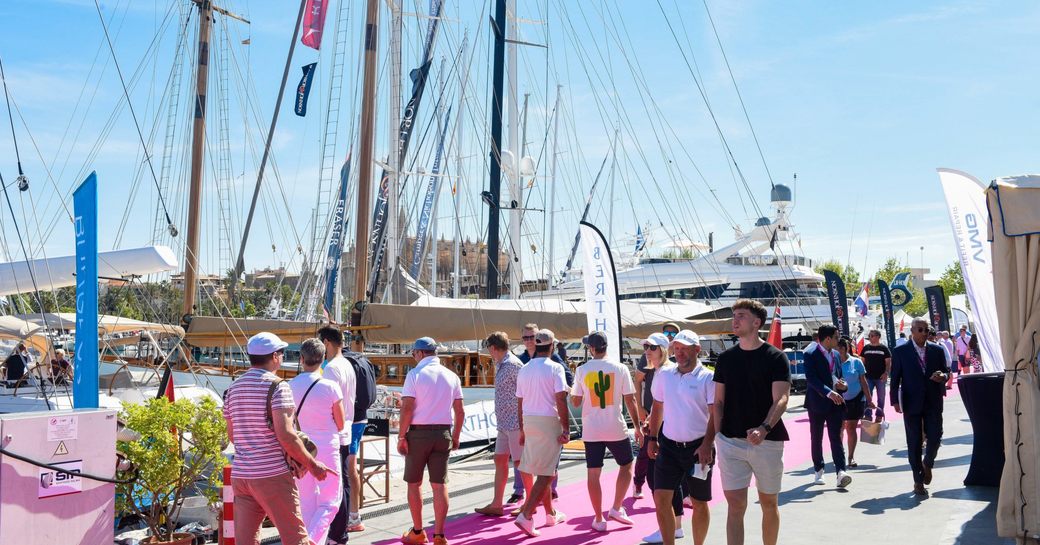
(656, 536)
(637, 493)
(556, 518)
(600, 526)
(527, 525)
(844, 479)
(819, 478)
(621, 516)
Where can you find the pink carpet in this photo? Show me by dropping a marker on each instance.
(574, 501)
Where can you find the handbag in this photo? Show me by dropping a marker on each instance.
(297, 468)
(872, 432)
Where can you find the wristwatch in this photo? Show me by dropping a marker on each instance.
(767, 427)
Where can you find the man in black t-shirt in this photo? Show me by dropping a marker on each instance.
(752, 384)
(878, 360)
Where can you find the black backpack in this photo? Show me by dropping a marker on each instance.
(366, 385)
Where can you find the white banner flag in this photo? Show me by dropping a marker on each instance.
(601, 302)
(966, 199)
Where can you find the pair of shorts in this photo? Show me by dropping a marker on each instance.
(739, 460)
(357, 431)
(541, 448)
(596, 450)
(508, 442)
(674, 466)
(428, 449)
(855, 408)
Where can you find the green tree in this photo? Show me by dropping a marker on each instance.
(849, 275)
(952, 279)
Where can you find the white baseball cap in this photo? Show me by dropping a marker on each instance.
(657, 339)
(687, 338)
(264, 343)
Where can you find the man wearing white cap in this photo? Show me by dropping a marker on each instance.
(431, 422)
(682, 432)
(260, 476)
(600, 386)
(544, 423)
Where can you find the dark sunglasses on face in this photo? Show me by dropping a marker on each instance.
(528, 337)
(919, 330)
(651, 347)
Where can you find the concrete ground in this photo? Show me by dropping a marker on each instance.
(878, 507)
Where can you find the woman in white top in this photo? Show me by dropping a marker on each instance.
(319, 411)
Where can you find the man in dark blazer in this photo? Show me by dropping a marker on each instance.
(919, 373)
(825, 405)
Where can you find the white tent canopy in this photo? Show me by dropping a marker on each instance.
(59, 272)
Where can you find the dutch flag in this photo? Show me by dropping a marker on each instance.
(861, 300)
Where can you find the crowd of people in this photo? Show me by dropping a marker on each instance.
(690, 422)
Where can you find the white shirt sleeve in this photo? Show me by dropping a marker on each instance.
(657, 388)
(409, 385)
(709, 389)
(627, 386)
(457, 391)
(559, 379)
(577, 390)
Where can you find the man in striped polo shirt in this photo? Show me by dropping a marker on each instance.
(260, 477)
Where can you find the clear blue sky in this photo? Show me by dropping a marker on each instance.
(863, 101)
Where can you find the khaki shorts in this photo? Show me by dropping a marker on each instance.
(739, 460)
(541, 449)
(508, 442)
(427, 449)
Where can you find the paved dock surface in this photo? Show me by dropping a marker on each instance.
(878, 507)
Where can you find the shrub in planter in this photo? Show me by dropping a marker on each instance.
(179, 454)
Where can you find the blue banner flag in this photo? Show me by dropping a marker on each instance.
(85, 379)
(336, 240)
(433, 189)
(838, 301)
(937, 314)
(303, 90)
(887, 312)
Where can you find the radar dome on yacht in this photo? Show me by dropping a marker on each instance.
(763, 221)
(780, 193)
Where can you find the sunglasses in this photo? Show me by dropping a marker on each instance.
(670, 334)
(919, 330)
(651, 347)
(528, 337)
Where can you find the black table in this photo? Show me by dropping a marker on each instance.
(983, 395)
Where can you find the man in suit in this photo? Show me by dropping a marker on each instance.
(919, 374)
(825, 405)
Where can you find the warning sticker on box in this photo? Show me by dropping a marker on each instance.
(62, 428)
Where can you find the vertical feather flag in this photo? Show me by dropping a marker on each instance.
(775, 337)
(303, 90)
(314, 22)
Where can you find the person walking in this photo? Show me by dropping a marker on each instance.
(507, 443)
(319, 414)
(527, 336)
(365, 396)
(602, 388)
(961, 343)
(919, 373)
(682, 433)
(955, 367)
(825, 404)
(752, 385)
(260, 476)
(655, 356)
(431, 423)
(877, 359)
(337, 369)
(544, 423)
(857, 395)
(973, 357)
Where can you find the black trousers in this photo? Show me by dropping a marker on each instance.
(919, 426)
(338, 528)
(643, 463)
(833, 420)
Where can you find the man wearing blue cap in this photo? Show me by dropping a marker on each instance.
(431, 421)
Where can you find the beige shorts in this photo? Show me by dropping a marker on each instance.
(739, 460)
(541, 449)
(508, 443)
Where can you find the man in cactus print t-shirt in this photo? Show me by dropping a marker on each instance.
(600, 387)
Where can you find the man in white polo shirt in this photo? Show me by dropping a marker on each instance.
(544, 423)
(682, 431)
(431, 421)
(338, 370)
(599, 388)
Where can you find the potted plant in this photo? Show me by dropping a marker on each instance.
(179, 454)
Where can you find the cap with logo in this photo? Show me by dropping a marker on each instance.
(264, 343)
(544, 337)
(687, 338)
(596, 339)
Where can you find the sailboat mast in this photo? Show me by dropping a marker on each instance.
(457, 284)
(613, 182)
(495, 184)
(393, 181)
(368, 104)
(552, 188)
(515, 189)
(198, 145)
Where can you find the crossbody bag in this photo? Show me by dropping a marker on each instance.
(296, 467)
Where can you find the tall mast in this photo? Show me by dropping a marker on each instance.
(198, 142)
(495, 184)
(368, 103)
(456, 285)
(515, 190)
(613, 182)
(552, 187)
(392, 236)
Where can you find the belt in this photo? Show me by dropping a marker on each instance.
(430, 427)
(681, 444)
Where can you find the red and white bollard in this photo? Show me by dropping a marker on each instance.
(227, 524)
